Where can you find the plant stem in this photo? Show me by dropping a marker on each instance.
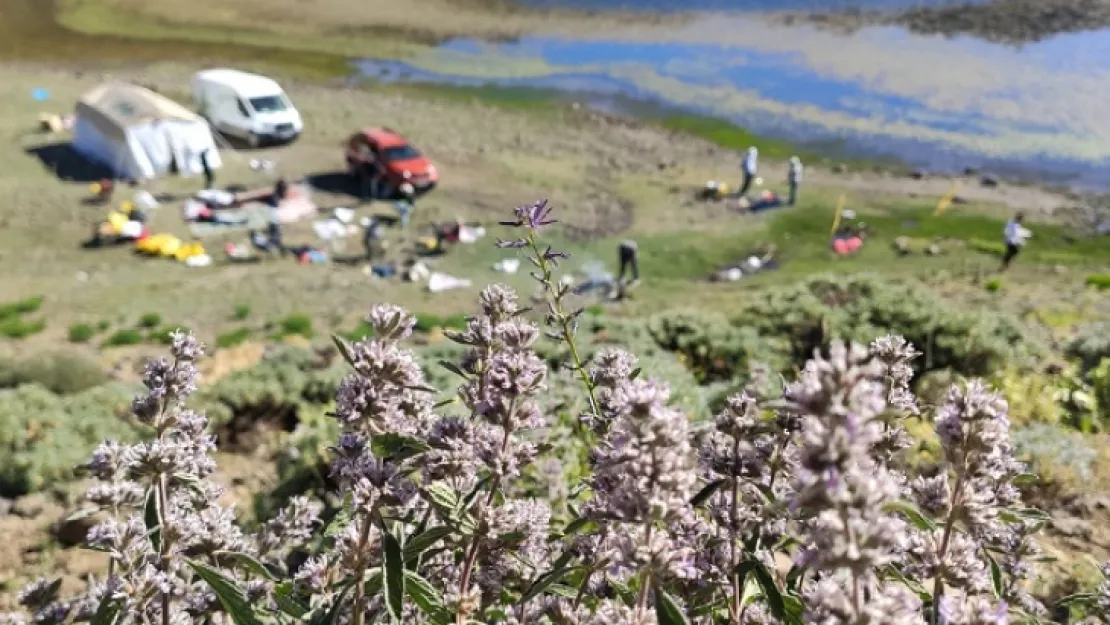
(472, 550)
(938, 583)
(557, 307)
(163, 549)
(734, 606)
(360, 572)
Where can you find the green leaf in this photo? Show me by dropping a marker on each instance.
(81, 514)
(667, 610)
(795, 609)
(465, 503)
(108, 612)
(420, 543)
(393, 572)
(397, 446)
(1082, 598)
(558, 572)
(340, 521)
(577, 525)
(291, 606)
(770, 591)
(635, 373)
(331, 615)
(251, 563)
(426, 597)
(453, 368)
(227, 590)
(912, 514)
(1025, 479)
(442, 497)
(344, 348)
(152, 517)
(562, 590)
(707, 491)
(996, 574)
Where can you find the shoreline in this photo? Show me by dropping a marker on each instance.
(1007, 22)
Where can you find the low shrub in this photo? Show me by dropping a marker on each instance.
(233, 338)
(62, 373)
(1099, 281)
(426, 322)
(43, 436)
(297, 324)
(124, 337)
(20, 328)
(994, 286)
(150, 320)
(21, 307)
(1090, 344)
(163, 335)
(81, 333)
(994, 248)
(242, 311)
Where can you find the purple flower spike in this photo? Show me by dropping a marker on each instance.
(532, 217)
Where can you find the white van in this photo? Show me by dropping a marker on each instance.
(248, 106)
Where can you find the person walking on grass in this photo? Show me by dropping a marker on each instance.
(1015, 236)
(749, 167)
(794, 178)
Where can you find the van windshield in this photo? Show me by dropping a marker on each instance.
(401, 153)
(269, 104)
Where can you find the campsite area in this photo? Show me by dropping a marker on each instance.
(609, 178)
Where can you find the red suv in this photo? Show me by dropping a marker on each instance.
(382, 154)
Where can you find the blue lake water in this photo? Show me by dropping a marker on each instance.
(945, 104)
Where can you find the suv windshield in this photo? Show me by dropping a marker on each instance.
(269, 104)
(401, 153)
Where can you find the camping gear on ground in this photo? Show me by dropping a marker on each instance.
(251, 107)
(713, 190)
(39, 94)
(507, 265)
(595, 278)
(51, 122)
(140, 134)
(384, 271)
(261, 165)
(440, 282)
(471, 234)
(306, 254)
(145, 200)
(755, 262)
(767, 200)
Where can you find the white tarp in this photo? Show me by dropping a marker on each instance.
(141, 134)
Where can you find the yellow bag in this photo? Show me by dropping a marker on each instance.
(189, 250)
(117, 221)
(170, 246)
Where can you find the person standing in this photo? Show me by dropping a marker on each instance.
(209, 179)
(627, 253)
(794, 178)
(1015, 236)
(749, 167)
(406, 204)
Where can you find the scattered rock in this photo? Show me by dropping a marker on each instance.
(988, 181)
(918, 174)
(1089, 505)
(839, 168)
(31, 506)
(1072, 527)
(5, 506)
(958, 200)
(71, 532)
(971, 171)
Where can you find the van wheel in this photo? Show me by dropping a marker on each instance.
(253, 141)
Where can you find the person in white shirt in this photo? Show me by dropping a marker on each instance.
(1015, 236)
(794, 178)
(749, 166)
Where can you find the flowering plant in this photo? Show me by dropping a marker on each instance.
(787, 509)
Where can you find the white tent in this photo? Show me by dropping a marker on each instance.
(141, 134)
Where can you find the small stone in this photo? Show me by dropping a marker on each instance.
(988, 181)
(72, 532)
(1072, 528)
(917, 174)
(31, 506)
(5, 506)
